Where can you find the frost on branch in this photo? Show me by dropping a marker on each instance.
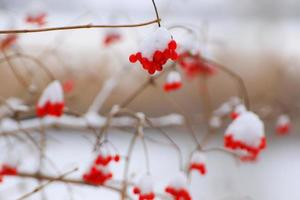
(178, 188)
(173, 81)
(144, 188)
(283, 125)
(246, 136)
(51, 101)
(155, 51)
(197, 163)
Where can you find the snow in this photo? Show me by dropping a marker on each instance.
(173, 77)
(247, 128)
(179, 181)
(283, 120)
(53, 93)
(145, 184)
(158, 40)
(198, 157)
(215, 122)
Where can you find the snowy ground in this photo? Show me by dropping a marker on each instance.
(274, 176)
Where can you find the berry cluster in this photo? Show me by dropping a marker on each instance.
(7, 170)
(283, 125)
(144, 188)
(178, 188)
(8, 41)
(51, 101)
(99, 173)
(156, 51)
(193, 65)
(197, 162)
(38, 19)
(173, 81)
(246, 136)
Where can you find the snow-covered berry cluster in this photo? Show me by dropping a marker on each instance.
(144, 188)
(100, 172)
(51, 101)
(38, 19)
(7, 170)
(283, 125)
(173, 81)
(155, 51)
(8, 41)
(246, 136)
(197, 162)
(178, 188)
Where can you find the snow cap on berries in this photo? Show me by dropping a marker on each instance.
(246, 133)
(144, 188)
(155, 51)
(51, 101)
(106, 155)
(178, 188)
(197, 162)
(173, 81)
(283, 124)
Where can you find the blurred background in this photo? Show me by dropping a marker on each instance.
(257, 39)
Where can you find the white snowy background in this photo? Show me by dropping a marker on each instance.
(250, 27)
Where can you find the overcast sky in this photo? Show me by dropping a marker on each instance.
(262, 9)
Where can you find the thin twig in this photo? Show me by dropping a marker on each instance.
(87, 26)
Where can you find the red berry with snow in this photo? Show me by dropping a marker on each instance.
(144, 188)
(155, 51)
(7, 170)
(178, 189)
(245, 135)
(283, 125)
(173, 81)
(51, 101)
(197, 162)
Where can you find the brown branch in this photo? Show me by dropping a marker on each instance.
(156, 13)
(87, 26)
(45, 177)
(40, 187)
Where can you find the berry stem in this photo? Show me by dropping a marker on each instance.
(156, 13)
